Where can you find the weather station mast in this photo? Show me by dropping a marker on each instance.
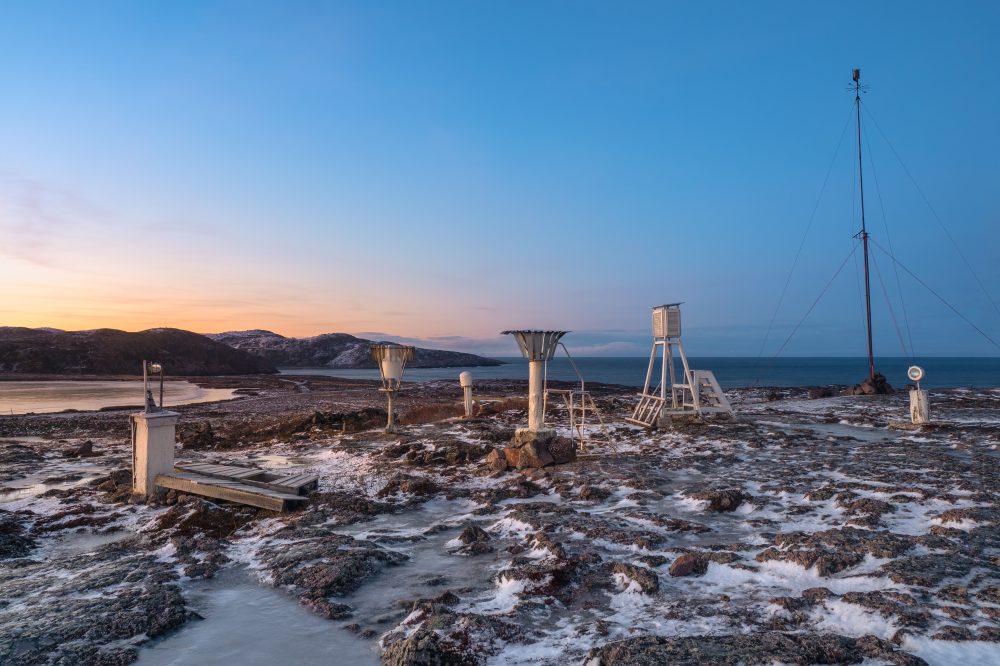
(875, 383)
(863, 234)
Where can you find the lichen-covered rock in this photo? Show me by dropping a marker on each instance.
(191, 515)
(688, 564)
(88, 608)
(646, 579)
(728, 499)
(14, 539)
(754, 649)
(475, 541)
(320, 565)
(496, 461)
(434, 635)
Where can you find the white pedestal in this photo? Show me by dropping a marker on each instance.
(920, 411)
(152, 449)
(536, 395)
(467, 390)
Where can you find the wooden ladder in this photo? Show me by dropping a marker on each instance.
(647, 411)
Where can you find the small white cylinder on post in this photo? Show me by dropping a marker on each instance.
(465, 380)
(920, 411)
(154, 434)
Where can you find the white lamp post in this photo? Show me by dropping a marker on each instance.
(391, 359)
(538, 347)
(920, 412)
(153, 436)
(150, 405)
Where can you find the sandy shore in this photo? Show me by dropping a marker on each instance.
(803, 531)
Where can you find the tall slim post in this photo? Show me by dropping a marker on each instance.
(864, 230)
(536, 392)
(390, 425)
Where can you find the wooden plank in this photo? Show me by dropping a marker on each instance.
(296, 480)
(248, 473)
(303, 481)
(228, 490)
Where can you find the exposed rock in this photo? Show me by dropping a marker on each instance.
(593, 493)
(750, 649)
(821, 392)
(475, 541)
(722, 500)
(197, 435)
(688, 564)
(541, 448)
(871, 386)
(419, 486)
(192, 515)
(445, 638)
(496, 461)
(929, 570)
(832, 551)
(646, 579)
(87, 609)
(562, 450)
(85, 450)
(14, 539)
(319, 564)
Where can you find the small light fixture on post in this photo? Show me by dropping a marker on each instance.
(465, 380)
(154, 431)
(149, 367)
(920, 411)
(391, 359)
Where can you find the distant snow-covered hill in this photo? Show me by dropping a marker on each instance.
(333, 350)
(108, 351)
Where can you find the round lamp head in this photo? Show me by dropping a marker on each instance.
(915, 373)
(156, 368)
(465, 379)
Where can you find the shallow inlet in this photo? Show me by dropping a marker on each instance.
(55, 396)
(249, 623)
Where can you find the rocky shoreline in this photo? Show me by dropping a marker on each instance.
(802, 531)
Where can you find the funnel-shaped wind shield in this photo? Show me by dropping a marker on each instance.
(537, 345)
(391, 359)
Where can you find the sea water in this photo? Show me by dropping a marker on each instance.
(732, 372)
(17, 397)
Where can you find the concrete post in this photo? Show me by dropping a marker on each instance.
(919, 407)
(152, 449)
(536, 409)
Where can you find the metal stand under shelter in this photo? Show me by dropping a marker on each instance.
(698, 393)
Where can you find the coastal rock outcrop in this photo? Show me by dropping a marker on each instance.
(750, 649)
(535, 449)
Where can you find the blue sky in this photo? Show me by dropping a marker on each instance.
(443, 171)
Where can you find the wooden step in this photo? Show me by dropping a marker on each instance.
(299, 482)
(230, 490)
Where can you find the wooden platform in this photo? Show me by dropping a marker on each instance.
(246, 485)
